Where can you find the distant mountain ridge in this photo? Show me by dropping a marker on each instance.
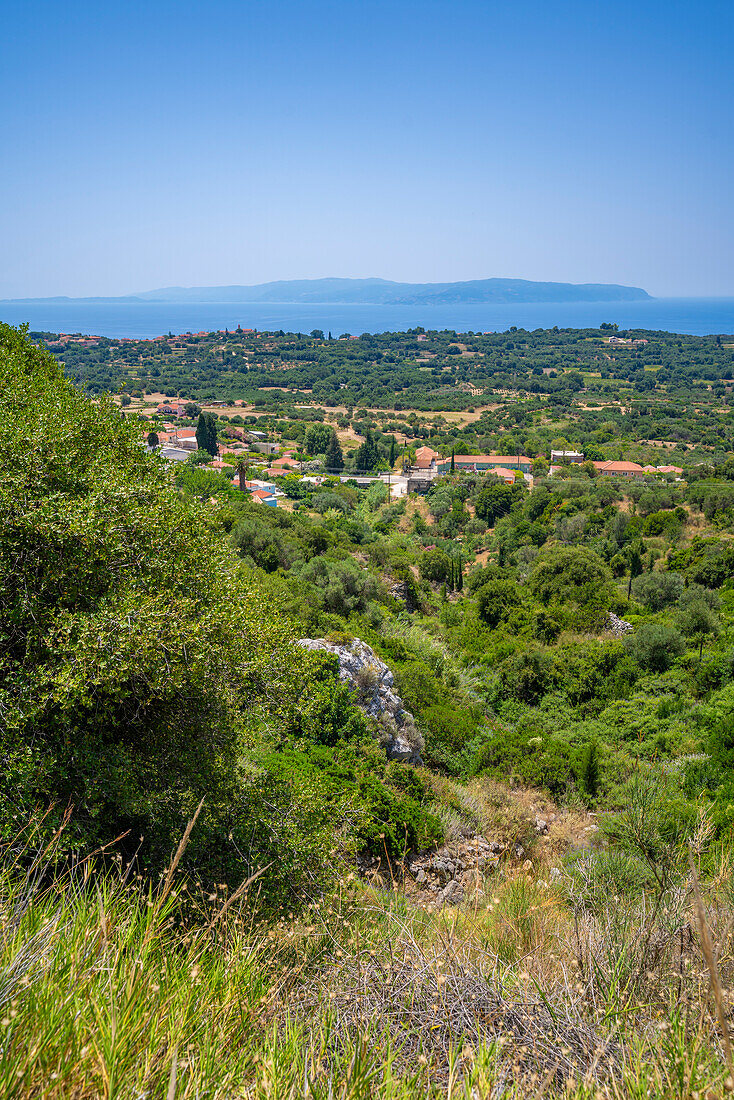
(378, 292)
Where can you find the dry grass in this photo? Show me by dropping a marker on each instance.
(110, 989)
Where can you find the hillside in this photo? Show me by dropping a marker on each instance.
(363, 795)
(385, 292)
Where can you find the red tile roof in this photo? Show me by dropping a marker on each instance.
(619, 467)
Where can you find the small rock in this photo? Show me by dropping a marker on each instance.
(453, 892)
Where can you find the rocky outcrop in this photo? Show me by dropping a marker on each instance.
(449, 875)
(372, 683)
(616, 626)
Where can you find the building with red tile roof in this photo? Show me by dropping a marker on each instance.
(613, 468)
(483, 463)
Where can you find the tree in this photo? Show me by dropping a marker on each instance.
(110, 703)
(393, 452)
(343, 586)
(658, 590)
(198, 457)
(317, 333)
(698, 622)
(453, 459)
(656, 646)
(494, 500)
(435, 565)
(334, 458)
(318, 438)
(192, 410)
(368, 454)
(153, 440)
(574, 575)
(240, 470)
(496, 600)
(634, 557)
(206, 433)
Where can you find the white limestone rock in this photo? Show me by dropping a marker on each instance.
(372, 683)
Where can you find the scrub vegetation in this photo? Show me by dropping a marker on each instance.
(205, 854)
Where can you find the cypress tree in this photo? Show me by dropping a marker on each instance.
(635, 560)
(589, 769)
(453, 456)
(368, 455)
(334, 458)
(206, 433)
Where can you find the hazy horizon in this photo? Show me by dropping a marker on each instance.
(176, 144)
(143, 295)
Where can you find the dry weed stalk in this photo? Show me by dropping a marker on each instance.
(168, 881)
(709, 955)
(431, 1000)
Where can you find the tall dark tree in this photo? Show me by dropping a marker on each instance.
(368, 454)
(635, 566)
(393, 452)
(206, 433)
(334, 458)
(453, 459)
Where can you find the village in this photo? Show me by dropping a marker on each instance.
(256, 461)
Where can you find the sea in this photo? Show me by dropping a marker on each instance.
(141, 320)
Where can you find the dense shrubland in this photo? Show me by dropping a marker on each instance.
(148, 667)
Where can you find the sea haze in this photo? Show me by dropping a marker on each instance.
(141, 319)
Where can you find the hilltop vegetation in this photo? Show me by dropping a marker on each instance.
(568, 645)
(506, 392)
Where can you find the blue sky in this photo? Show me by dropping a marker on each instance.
(151, 144)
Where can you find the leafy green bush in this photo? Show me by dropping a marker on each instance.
(573, 575)
(521, 754)
(341, 585)
(656, 645)
(133, 651)
(496, 600)
(141, 666)
(658, 590)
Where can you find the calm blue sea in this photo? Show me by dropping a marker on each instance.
(699, 316)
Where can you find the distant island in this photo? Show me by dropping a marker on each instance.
(376, 292)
